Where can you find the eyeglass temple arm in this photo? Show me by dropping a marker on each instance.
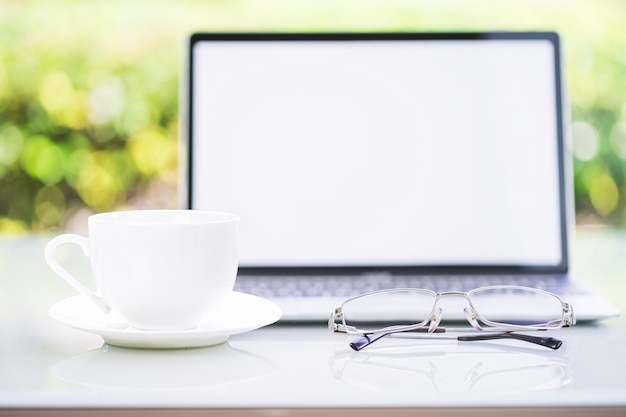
(549, 342)
(367, 339)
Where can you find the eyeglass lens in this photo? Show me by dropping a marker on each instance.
(388, 308)
(517, 306)
(505, 306)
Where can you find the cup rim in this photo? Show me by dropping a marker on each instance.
(128, 216)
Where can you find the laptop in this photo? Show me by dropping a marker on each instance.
(365, 161)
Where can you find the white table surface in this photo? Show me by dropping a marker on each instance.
(48, 368)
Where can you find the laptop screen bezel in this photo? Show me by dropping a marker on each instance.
(187, 197)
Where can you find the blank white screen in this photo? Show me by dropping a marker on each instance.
(387, 153)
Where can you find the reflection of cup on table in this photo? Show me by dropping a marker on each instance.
(160, 269)
(114, 367)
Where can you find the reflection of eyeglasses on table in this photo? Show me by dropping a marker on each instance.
(381, 313)
(491, 368)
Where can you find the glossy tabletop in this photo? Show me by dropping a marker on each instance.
(48, 368)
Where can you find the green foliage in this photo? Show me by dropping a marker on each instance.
(89, 91)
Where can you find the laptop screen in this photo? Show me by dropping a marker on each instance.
(381, 150)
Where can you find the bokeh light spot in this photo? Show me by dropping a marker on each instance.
(44, 160)
(136, 116)
(75, 161)
(63, 103)
(10, 226)
(106, 101)
(96, 187)
(100, 179)
(152, 152)
(618, 139)
(604, 194)
(586, 141)
(49, 205)
(11, 144)
(5, 90)
(56, 91)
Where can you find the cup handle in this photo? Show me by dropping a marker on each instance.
(83, 242)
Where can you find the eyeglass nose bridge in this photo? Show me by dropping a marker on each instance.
(436, 314)
(435, 319)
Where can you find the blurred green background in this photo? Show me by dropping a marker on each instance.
(89, 91)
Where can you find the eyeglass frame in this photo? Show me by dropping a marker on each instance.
(337, 323)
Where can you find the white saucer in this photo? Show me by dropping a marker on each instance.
(239, 313)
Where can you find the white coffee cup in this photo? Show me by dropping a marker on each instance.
(159, 269)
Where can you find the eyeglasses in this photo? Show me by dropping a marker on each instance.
(378, 314)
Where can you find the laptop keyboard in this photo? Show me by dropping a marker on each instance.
(348, 286)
